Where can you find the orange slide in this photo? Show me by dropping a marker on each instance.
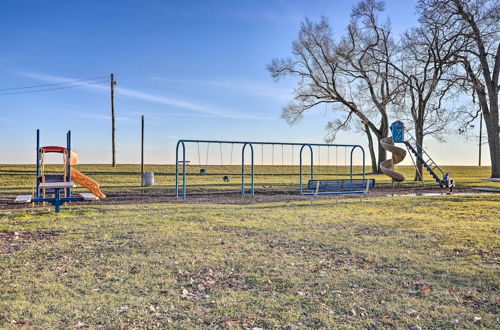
(87, 182)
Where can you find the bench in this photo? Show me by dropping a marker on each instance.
(339, 186)
(23, 199)
(88, 197)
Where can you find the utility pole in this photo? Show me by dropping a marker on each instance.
(142, 150)
(480, 135)
(113, 147)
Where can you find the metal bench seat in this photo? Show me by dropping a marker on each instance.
(23, 199)
(88, 197)
(339, 186)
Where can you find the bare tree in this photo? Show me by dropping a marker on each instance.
(476, 24)
(425, 70)
(352, 74)
(333, 128)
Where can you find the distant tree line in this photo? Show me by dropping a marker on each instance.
(439, 75)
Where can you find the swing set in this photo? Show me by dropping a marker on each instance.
(343, 183)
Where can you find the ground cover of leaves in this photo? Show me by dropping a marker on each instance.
(400, 262)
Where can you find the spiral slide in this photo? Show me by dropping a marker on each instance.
(87, 182)
(398, 154)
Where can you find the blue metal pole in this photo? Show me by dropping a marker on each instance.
(300, 168)
(268, 143)
(177, 170)
(38, 173)
(68, 165)
(184, 193)
(57, 200)
(312, 161)
(350, 165)
(300, 164)
(363, 160)
(253, 174)
(243, 169)
(364, 170)
(252, 191)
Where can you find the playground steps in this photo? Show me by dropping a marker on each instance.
(88, 197)
(23, 199)
(429, 164)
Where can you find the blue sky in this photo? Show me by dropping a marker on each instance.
(195, 69)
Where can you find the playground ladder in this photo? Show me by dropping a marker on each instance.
(426, 160)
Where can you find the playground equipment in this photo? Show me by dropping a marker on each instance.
(50, 187)
(349, 185)
(398, 154)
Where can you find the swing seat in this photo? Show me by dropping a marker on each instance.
(339, 186)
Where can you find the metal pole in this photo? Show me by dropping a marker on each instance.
(253, 172)
(113, 83)
(312, 161)
(364, 170)
(300, 169)
(480, 135)
(68, 165)
(38, 163)
(243, 169)
(142, 150)
(300, 164)
(184, 193)
(177, 170)
(252, 189)
(350, 165)
(351, 160)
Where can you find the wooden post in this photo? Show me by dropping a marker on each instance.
(480, 135)
(142, 150)
(113, 146)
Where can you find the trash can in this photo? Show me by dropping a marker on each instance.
(149, 179)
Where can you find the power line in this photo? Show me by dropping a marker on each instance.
(44, 90)
(53, 84)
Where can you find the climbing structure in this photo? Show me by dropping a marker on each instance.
(398, 154)
(56, 189)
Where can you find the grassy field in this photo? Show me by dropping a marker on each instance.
(387, 262)
(16, 179)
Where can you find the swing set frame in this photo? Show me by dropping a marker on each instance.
(180, 152)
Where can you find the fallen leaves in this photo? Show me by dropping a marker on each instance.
(426, 290)
(13, 241)
(412, 312)
(17, 323)
(198, 284)
(472, 301)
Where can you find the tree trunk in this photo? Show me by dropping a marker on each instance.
(382, 133)
(382, 153)
(491, 120)
(419, 138)
(371, 147)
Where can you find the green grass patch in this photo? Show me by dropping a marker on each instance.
(387, 262)
(17, 179)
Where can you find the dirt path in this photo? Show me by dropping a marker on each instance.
(234, 196)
